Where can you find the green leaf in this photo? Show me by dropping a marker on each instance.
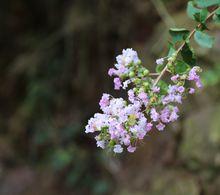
(216, 17)
(181, 67)
(163, 87)
(178, 34)
(188, 55)
(217, 12)
(192, 10)
(203, 39)
(171, 50)
(195, 13)
(201, 16)
(159, 67)
(207, 3)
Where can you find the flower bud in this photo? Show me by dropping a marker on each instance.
(139, 62)
(135, 90)
(183, 77)
(146, 84)
(146, 72)
(141, 90)
(137, 81)
(131, 74)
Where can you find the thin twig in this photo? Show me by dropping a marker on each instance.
(183, 44)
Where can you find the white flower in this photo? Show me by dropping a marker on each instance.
(160, 61)
(126, 83)
(101, 144)
(118, 149)
(128, 56)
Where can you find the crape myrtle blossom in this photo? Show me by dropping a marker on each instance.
(124, 62)
(118, 149)
(156, 89)
(160, 126)
(154, 115)
(126, 83)
(193, 76)
(174, 78)
(160, 61)
(120, 124)
(123, 123)
(117, 83)
(191, 90)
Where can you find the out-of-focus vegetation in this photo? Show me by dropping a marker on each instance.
(54, 57)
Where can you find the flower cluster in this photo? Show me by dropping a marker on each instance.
(120, 124)
(123, 123)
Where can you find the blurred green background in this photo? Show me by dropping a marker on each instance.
(54, 58)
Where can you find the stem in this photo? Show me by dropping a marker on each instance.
(183, 44)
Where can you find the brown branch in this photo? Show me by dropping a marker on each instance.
(181, 47)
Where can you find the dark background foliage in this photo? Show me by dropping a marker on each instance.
(54, 58)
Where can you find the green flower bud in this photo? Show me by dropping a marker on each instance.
(139, 62)
(131, 74)
(146, 84)
(131, 64)
(141, 90)
(146, 72)
(181, 83)
(183, 77)
(137, 81)
(132, 119)
(135, 90)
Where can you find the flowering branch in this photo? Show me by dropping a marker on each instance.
(152, 103)
(181, 47)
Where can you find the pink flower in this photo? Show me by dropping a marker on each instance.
(191, 90)
(131, 149)
(174, 78)
(154, 115)
(160, 126)
(199, 83)
(143, 96)
(104, 100)
(149, 126)
(131, 96)
(181, 89)
(117, 83)
(156, 89)
(111, 71)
